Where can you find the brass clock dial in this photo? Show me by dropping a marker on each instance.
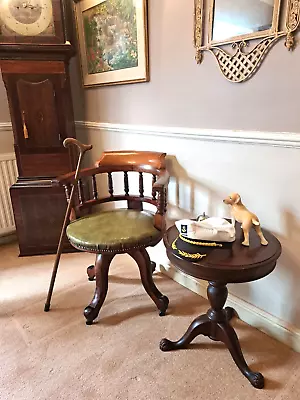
(27, 17)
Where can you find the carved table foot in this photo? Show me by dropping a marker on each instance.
(215, 325)
(200, 326)
(227, 335)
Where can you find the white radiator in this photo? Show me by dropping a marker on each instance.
(8, 176)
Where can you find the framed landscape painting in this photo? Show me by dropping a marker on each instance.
(113, 41)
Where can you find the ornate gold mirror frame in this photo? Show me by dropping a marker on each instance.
(239, 65)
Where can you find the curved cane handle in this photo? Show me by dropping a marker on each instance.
(82, 147)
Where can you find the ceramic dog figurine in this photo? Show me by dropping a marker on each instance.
(241, 214)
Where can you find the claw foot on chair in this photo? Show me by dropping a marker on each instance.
(90, 314)
(166, 345)
(153, 266)
(91, 272)
(164, 302)
(256, 379)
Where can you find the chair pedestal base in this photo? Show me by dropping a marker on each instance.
(100, 272)
(91, 271)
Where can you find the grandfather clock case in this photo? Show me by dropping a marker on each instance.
(34, 61)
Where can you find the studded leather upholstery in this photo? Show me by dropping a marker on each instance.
(113, 231)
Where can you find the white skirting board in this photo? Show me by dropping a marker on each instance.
(265, 322)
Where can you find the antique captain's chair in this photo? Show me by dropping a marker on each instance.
(129, 230)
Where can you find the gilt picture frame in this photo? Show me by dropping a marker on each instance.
(113, 41)
(240, 34)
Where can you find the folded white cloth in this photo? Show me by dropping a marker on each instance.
(213, 229)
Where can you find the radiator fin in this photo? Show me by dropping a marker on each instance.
(8, 176)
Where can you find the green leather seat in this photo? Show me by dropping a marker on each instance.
(113, 231)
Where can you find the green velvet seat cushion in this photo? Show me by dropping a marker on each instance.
(117, 230)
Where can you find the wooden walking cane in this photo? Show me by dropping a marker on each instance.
(82, 149)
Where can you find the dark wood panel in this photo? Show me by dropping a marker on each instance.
(35, 165)
(32, 67)
(39, 214)
(40, 119)
(37, 52)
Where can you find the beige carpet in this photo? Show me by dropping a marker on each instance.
(56, 356)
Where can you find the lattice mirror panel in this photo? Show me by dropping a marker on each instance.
(239, 33)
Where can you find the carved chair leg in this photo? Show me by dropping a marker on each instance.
(101, 269)
(144, 263)
(153, 266)
(91, 271)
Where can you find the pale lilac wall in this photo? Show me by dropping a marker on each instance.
(181, 93)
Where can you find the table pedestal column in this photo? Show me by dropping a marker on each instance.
(215, 324)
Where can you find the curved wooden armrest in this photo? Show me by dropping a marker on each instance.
(162, 182)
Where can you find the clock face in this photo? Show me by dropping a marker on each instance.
(26, 18)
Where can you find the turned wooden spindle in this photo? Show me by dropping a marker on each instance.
(153, 191)
(166, 200)
(80, 191)
(126, 183)
(94, 187)
(141, 184)
(67, 192)
(161, 202)
(110, 184)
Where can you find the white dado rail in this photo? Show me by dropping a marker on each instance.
(280, 139)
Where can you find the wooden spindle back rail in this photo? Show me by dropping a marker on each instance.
(80, 192)
(95, 199)
(94, 187)
(88, 179)
(126, 183)
(110, 185)
(141, 184)
(153, 191)
(67, 191)
(156, 198)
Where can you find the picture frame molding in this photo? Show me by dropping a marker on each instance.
(82, 53)
(242, 64)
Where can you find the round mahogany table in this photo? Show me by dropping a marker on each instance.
(221, 266)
